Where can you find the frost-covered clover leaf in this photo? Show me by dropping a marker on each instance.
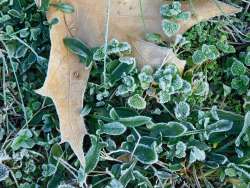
(170, 10)
(23, 140)
(199, 57)
(200, 88)
(145, 80)
(247, 59)
(225, 47)
(114, 183)
(240, 83)
(137, 102)
(48, 170)
(180, 151)
(177, 83)
(185, 16)
(146, 154)
(196, 154)
(4, 172)
(210, 51)
(165, 82)
(164, 97)
(238, 68)
(154, 38)
(182, 110)
(114, 47)
(127, 86)
(170, 28)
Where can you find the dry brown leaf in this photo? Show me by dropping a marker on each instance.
(65, 83)
(204, 10)
(67, 79)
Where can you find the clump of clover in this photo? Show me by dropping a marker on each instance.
(119, 72)
(172, 13)
(165, 84)
(240, 73)
(212, 52)
(150, 117)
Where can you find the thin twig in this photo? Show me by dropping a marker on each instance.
(106, 41)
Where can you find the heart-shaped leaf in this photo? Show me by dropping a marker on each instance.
(170, 28)
(146, 154)
(137, 102)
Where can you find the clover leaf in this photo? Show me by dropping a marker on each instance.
(170, 28)
(182, 110)
(238, 68)
(199, 57)
(137, 102)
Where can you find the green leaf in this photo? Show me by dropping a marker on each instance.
(230, 172)
(238, 68)
(210, 51)
(165, 82)
(170, 10)
(244, 130)
(145, 80)
(218, 127)
(154, 38)
(135, 121)
(55, 152)
(170, 28)
(182, 110)
(142, 180)
(164, 97)
(77, 47)
(86, 110)
(177, 83)
(124, 66)
(137, 102)
(23, 140)
(247, 59)
(180, 151)
(48, 170)
(127, 174)
(185, 16)
(237, 120)
(113, 114)
(239, 169)
(4, 172)
(196, 155)
(64, 7)
(170, 129)
(146, 154)
(227, 90)
(114, 183)
(116, 47)
(240, 83)
(218, 158)
(199, 57)
(44, 6)
(114, 128)
(200, 88)
(93, 155)
(225, 47)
